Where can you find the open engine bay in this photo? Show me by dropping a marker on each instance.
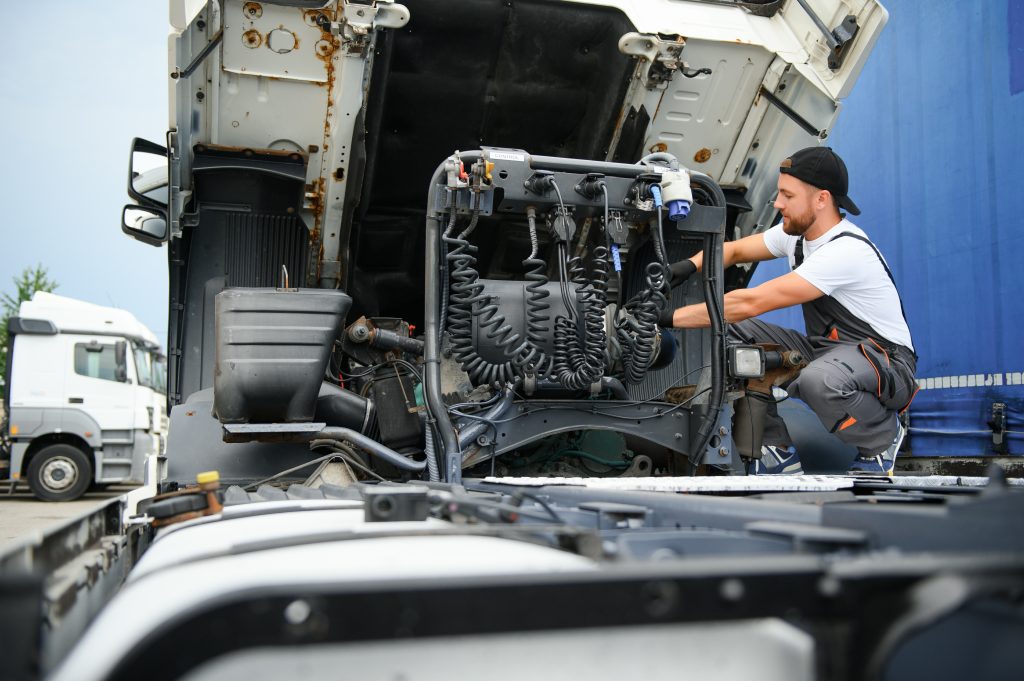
(540, 373)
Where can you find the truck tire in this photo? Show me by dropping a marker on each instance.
(59, 473)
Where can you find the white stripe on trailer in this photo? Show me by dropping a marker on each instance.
(997, 379)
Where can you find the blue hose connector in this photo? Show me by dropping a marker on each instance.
(678, 210)
(656, 193)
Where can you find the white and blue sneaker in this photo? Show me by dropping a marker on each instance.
(883, 463)
(776, 461)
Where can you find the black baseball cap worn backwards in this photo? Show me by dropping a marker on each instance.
(821, 167)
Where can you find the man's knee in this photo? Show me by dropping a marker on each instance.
(820, 387)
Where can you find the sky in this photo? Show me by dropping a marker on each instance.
(77, 82)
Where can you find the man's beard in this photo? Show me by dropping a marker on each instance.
(797, 225)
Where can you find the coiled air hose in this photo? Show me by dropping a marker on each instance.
(466, 300)
(580, 364)
(637, 332)
(638, 335)
(531, 359)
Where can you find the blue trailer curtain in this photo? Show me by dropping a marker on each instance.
(933, 136)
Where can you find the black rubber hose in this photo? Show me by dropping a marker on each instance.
(713, 299)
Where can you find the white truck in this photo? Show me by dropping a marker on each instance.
(85, 396)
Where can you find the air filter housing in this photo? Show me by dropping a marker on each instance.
(272, 350)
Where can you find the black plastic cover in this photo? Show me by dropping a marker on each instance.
(272, 350)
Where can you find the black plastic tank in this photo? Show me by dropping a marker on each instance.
(272, 350)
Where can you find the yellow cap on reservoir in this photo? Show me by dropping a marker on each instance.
(207, 477)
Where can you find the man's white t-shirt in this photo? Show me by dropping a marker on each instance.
(849, 271)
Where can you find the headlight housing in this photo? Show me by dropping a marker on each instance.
(746, 361)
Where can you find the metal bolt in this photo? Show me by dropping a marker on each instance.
(678, 436)
(297, 612)
(200, 24)
(723, 431)
(731, 589)
(200, 96)
(723, 451)
(829, 587)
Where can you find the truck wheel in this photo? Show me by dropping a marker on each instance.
(59, 473)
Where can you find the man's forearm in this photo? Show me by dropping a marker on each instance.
(691, 317)
(728, 256)
(739, 305)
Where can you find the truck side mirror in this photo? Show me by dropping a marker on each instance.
(121, 361)
(147, 173)
(148, 225)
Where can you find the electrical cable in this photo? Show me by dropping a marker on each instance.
(347, 454)
(307, 464)
(444, 257)
(563, 256)
(519, 495)
(590, 457)
(433, 472)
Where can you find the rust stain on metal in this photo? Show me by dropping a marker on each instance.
(315, 200)
(659, 148)
(702, 155)
(252, 10)
(313, 17)
(252, 39)
(324, 49)
(681, 394)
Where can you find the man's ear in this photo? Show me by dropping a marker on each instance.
(823, 200)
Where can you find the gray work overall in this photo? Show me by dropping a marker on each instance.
(857, 381)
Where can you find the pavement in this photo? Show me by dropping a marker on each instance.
(21, 514)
